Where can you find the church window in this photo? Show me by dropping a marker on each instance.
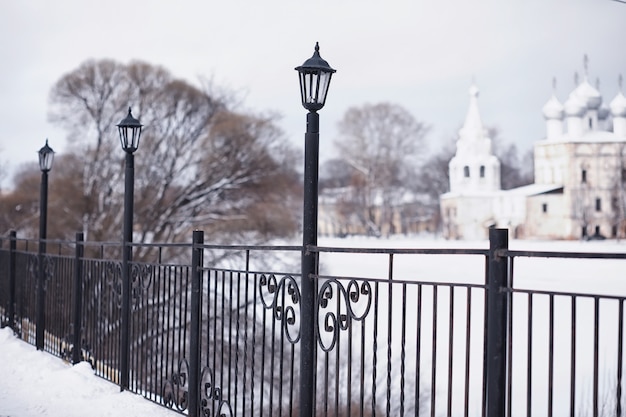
(583, 176)
(590, 123)
(598, 204)
(466, 172)
(482, 171)
(544, 207)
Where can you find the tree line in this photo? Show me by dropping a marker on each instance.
(201, 163)
(205, 163)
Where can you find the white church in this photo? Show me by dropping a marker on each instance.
(579, 173)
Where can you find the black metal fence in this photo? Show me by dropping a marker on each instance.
(216, 330)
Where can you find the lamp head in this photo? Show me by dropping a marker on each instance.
(46, 157)
(315, 76)
(130, 132)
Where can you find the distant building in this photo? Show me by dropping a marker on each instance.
(579, 170)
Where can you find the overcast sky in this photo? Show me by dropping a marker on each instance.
(421, 54)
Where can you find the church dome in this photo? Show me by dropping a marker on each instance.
(588, 95)
(553, 109)
(618, 105)
(574, 107)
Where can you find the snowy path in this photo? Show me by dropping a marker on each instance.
(34, 383)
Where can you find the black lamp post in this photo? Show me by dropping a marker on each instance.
(46, 157)
(130, 132)
(315, 76)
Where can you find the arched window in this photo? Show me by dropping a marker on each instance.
(466, 172)
(482, 171)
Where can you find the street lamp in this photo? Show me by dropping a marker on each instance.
(315, 76)
(46, 157)
(130, 132)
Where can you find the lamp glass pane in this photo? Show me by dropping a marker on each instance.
(311, 87)
(324, 81)
(123, 137)
(45, 161)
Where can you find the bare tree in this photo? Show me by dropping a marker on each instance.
(383, 143)
(200, 163)
(434, 180)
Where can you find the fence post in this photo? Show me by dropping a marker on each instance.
(194, 341)
(77, 291)
(496, 324)
(12, 300)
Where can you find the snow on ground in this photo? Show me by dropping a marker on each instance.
(34, 383)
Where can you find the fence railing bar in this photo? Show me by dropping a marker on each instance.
(468, 328)
(620, 359)
(237, 341)
(400, 281)
(418, 352)
(566, 294)
(568, 255)
(573, 359)
(551, 355)
(596, 349)
(433, 379)
(375, 347)
(389, 332)
(403, 350)
(529, 357)
(509, 393)
(399, 251)
(450, 349)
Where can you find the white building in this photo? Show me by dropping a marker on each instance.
(579, 170)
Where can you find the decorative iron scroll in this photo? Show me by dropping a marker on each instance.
(176, 389)
(282, 297)
(141, 278)
(112, 271)
(338, 306)
(211, 401)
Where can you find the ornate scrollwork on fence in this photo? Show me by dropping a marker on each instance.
(112, 271)
(176, 389)
(141, 278)
(283, 298)
(338, 306)
(211, 401)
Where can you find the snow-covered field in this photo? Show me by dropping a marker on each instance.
(34, 383)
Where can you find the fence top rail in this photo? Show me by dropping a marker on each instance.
(253, 247)
(388, 280)
(400, 251)
(552, 293)
(571, 255)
